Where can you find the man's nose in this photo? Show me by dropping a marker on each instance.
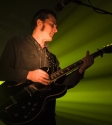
(55, 29)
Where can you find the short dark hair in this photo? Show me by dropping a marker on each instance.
(42, 15)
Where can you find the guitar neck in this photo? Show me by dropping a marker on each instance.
(58, 74)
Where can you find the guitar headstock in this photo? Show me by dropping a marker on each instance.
(108, 48)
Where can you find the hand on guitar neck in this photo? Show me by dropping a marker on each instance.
(88, 60)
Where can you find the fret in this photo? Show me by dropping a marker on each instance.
(74, 66)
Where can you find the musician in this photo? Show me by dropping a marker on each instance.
(22, 59)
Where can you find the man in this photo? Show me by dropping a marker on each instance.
(23, 58)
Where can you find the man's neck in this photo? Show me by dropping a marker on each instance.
(39, 40)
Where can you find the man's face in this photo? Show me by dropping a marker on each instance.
(49, 28)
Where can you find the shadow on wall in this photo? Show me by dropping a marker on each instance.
(66, 121)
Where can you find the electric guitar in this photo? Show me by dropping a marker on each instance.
(27, 105)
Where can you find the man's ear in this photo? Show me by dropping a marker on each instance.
(39, 22)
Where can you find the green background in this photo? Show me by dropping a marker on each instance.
(81, 29)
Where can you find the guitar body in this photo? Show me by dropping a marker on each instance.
(26, 106)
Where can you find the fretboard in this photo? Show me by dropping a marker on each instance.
(58, 74)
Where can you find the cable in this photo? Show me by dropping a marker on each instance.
(96, 9)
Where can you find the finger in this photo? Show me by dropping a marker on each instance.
(85, 58)
(87, 53)
(89, 61)
(89, 58)
(44, 73)
(45, 81)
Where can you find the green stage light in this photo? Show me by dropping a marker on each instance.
(1, 82)
(89, 102)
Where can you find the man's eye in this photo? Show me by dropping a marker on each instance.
(52, 25)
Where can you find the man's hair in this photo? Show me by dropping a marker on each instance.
(42, 15)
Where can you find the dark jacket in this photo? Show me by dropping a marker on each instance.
(22, 55)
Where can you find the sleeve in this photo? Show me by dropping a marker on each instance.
(8, 71)
(73, 79)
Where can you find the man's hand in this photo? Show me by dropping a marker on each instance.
(39, 76)
(88, 61)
